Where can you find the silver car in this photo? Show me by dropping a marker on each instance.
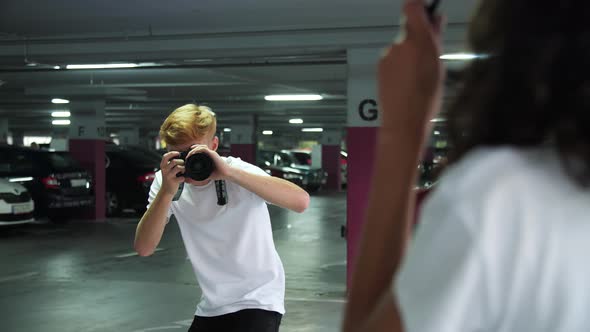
(16, 205)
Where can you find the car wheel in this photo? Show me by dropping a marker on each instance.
(113, 204)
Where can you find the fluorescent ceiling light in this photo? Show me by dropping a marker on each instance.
(227, 130)
(293, 97)
(267, 132)
(296, 121)
(56, 67)
(312, 130)
(103, 66)
(61, 114)
(460, 56)
(436, 132)
(60, 101)
(25, 179)
(438, 120)
(60, 122)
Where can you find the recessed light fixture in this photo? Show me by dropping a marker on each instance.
(267, 132)
(293, 97)
(438, 120)
(60, 122)
(461, 56)
(312, 130)
(227, 130)
(60, 101)
(24, 179)
(103, 66)
(296, 121)
(436, 132)
(61, 114)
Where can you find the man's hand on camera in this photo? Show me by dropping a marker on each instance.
(170, 167)
(222, 169)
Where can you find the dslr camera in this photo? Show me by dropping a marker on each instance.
(199, 167)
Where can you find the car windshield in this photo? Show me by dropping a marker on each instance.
(302, 158)
(136, 157)
(283, 159)
(62, 162)
(15, 161)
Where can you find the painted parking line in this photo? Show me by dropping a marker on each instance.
(305, 299)
(131, 254)
(334, 264)
(18, 276)
(182, 324)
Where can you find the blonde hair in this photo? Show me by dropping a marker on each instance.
(188, 123)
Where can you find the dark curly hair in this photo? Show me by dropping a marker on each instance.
(533, 88)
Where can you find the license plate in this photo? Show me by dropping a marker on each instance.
(22, 208)
(78, 182)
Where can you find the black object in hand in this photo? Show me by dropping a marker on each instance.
(431, 9)
(198, 166)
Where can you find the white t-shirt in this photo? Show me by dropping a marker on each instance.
(230, 247)
(502, 245)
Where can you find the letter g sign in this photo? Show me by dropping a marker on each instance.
(368, 110)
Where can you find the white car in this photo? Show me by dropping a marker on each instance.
(16, 205)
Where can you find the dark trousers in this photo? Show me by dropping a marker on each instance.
(249, 320)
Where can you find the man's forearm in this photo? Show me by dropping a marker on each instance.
(151, 227)
(273, 190)
(386, 229)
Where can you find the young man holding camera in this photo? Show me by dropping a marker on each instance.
(229, 245)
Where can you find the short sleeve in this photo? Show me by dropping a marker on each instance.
(154, 189)
(439, 287)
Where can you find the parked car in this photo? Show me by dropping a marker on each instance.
(130, 172)
(16, 204)
(59, 186)
(303, 157)
(283, 164)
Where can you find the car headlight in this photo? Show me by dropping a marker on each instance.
(292, 176)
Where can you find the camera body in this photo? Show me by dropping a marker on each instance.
(198, 166)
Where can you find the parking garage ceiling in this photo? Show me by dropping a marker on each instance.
(228, 54)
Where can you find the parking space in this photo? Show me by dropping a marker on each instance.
(83, 276)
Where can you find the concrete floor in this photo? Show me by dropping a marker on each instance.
(86, 277)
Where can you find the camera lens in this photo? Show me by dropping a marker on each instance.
(199, 166)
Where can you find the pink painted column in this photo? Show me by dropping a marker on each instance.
(363, 122)
(246, 152)
(90, 154)
(87, 145)
(331, 146)
(243, 140)
(331, 164)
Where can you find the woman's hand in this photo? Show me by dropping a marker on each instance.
(411, 74)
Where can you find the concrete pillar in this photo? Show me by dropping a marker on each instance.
(243, 140)
(18, 138)
(4, 131)
(87, 145)
(331, 158)
(363, 121)
(129, 136)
